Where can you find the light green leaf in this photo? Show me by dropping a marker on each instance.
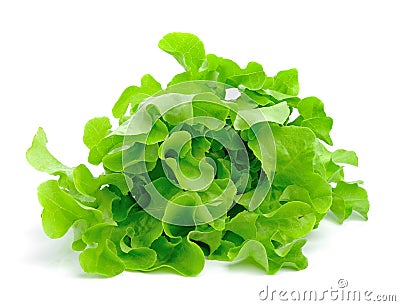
(143, 229)
(321, 127)
(133, 95)
(295, 193)
(252, 77)
(354, 198)
(292, 220)
(105, 146)
(175, 256)
(60, 210)
(212, 238)
(311, 107)
(103, 258)
(250, 249)
(289, 256)
(277, 113)
(345, 157)
(187, 49)
(41, 159)
(95, 130)
(313, 116)
(295, 152)
(285, 82)
(139, 259)
(243, 224)
(341, 211)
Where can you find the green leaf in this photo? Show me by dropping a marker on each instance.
(95, 130)
(345, 157)
(133, 95)
(140, 259)
(175, 256)
(212, 109)
(295, 153)
(321, 127)
(124, 101)
(103, 258)
(243, 224)
(311, 107)
(187, 49)
(144, 229)
(212, 238)
(180, 78)
(277, 113)
(291, 221)
(252, 77)
(79, 228)
(290, 256)
(223, 68)
(295, 193)
(354, 198)
(105, 146)
(149, 85)
(250, 249)
(60, 210)
(105, 199)
(285, 82)
(341, 211)
(313, 117)
(84, 181)
(41, 159)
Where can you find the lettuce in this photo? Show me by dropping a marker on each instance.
(216, 165)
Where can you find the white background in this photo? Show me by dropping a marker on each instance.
(64, 62)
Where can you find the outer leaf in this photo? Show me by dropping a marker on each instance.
(250, 249)
(252, 77)
(277, 113)
(341, 211)
(103, 258)
(133, 95)
(221, 253)
(95, 130)
(293, 220)
(211, 238)
(295, 193)
(175, 256)
(289, 256)
(285, 82)
(295, 150)
(223, 67)
(144, 229)
(60, 210)
(107, 144)
(354, 197)
(313, 116)
(321, 127)
(105, 199)
(187, 49)
(41, 159)
(345, 157)
(139, 259)
(311, 107)
(243, 224)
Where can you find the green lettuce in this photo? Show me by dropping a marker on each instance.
(214, 166)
